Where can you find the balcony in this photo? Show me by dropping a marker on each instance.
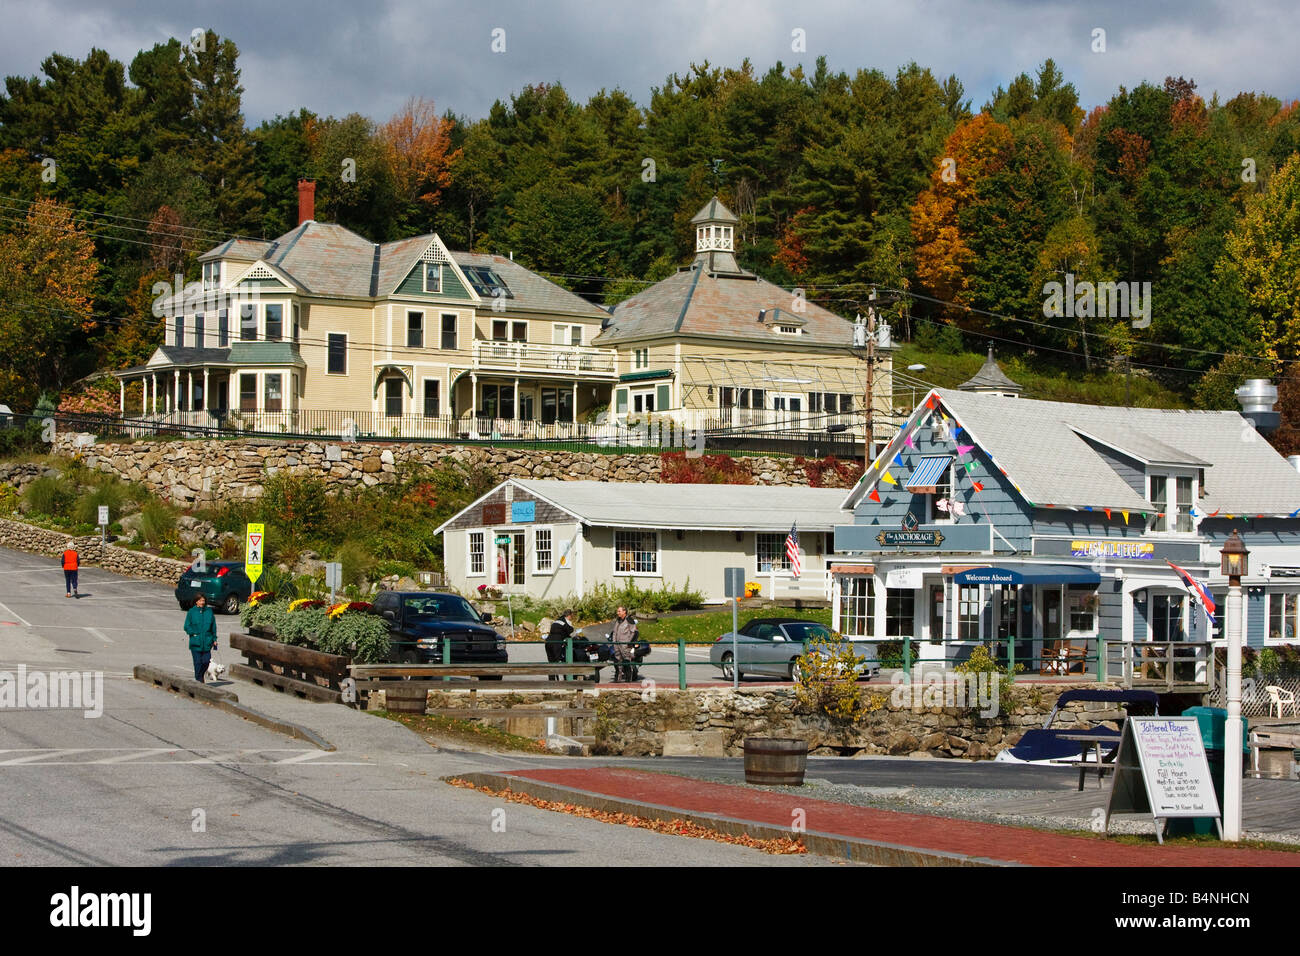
(526, 358)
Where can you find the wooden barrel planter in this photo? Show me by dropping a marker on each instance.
(302, 671)
(775, 761)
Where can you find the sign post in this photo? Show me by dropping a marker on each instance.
(1161, 770)
(103, 524)
(254, 550)
(333, 577)
(734, 588)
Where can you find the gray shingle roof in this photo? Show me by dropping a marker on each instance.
(990, 376)
(1037, 444)
(695, 302)
(694, 507)
(531, 292)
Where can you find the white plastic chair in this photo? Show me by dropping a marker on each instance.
(1279, 700)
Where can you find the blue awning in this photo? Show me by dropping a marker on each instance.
(928, 471)
(1029, 574)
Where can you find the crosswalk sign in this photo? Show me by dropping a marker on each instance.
(254, 549)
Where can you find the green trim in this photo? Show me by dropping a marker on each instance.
(646, 376)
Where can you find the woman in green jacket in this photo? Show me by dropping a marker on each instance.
(201, 626)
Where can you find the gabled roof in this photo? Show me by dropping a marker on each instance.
(1040, 447)
(686, 507)
(167, 355)
(695, 301)
(990, 377)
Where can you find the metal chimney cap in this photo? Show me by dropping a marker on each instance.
(1257, 395)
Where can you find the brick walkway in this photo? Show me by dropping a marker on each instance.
(988, 840)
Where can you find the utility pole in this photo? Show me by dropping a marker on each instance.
(867, 350)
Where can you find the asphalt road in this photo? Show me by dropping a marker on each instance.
(162, 780)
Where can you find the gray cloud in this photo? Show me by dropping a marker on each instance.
(342, 56)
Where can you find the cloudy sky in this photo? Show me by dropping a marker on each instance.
(369, 56)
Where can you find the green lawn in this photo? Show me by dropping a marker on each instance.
(705, 627)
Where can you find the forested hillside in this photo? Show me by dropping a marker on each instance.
(842, 182)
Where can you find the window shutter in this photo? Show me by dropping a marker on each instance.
(620, 401)
(661, 397)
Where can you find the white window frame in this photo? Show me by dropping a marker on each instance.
(469, 554)
(327, 353)
(782, 562)
(424, 277)
(406, 333)
(933, 514)
(510, 324)
(1067, 613)
(957, 602)
(1269, 597)
(264, 323)
(787, 330)
(441, 317)
(1169, 524)
(640, 358)
(564, 332)
(659, 562)
(634, 394)
(537, 549)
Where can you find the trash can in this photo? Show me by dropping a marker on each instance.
(1213, 723)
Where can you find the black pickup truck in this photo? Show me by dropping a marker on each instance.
(421, 620)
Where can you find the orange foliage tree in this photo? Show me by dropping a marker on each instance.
(417, 145)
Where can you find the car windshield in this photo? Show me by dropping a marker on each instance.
(809, 631)
(439, 607)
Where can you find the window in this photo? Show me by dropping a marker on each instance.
(787, 403)
(1177, 514)
(393, 397)
(640, 358)
(968, 612)
(942, 490)
(223, 329)
(449, 331)
(180, 332)
(431, 397)
(1167, 617)
(486, 282)
(248, 393)
(846, 403)
(643, 401)
(415, 330)
(857, 606)
(769, 550)
(751, 398)
(475, 552)
(296, 317)
(566, 334)
(211, 275)
(636, 552)
(786, 329)
(900, 612)
(1283, 610)
(337, 354)
(726, 397)
(557, 405)
(274, 322)
(198, 331)
(503, 331)
(1083, 603)
(543, 553)
(432, 277)
(274, 394)
(498, 401)
(248, 323)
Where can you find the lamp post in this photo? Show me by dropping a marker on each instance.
(1235, 566)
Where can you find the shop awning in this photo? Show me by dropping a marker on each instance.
(928, 471)
(1029, 574)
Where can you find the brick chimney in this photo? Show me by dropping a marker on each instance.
(306, 200)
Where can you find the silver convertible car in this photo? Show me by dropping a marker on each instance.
(771, 646)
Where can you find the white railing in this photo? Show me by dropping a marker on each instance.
(775, 419)
(811, 584)
(546, 359)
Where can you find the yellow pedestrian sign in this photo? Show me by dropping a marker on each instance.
(254, 548)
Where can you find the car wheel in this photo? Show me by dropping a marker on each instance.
(796, 672)
(727, 668)
(231, 605)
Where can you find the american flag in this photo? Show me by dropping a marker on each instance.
(792, 550)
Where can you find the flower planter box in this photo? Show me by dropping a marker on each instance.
(302, 671)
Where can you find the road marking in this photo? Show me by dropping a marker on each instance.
(303, 757)
(136, 756)
(39, 756)
(101, 635)
(22, 620)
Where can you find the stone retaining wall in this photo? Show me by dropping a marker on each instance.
(138, 564)
(628, 725)
(191, 473)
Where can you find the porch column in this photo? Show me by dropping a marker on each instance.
(517, 399)
(121, 397)
(473, 395)
(575, 401)
(176, 390)
(151, 382)
(207, 399)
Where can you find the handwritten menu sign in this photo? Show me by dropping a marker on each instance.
(1161, 770)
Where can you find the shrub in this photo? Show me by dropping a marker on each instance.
(48, 496)
(358, 563)
(296, 508)
(21, 439)
(828, 681)
(362, 636)
(278, 582)
(112, 493)
(676, 468)
(891, 652)
(383, 569)
(157, 523)
(982, 662)
(303, 626)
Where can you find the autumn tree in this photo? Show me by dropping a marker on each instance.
(47, 279)
(417, 147)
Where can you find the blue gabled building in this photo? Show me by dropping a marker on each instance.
(1043, 526)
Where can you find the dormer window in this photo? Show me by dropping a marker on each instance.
(714, 237)
(211, 276)
(787, 329)
(1171, 498)
(432, 277)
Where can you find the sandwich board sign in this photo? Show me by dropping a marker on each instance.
(1161, 770)
(254, 550)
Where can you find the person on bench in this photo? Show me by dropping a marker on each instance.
(561, 630)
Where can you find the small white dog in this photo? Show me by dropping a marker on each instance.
(214, 671)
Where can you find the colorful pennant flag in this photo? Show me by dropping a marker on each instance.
(977, 486)
(874, 496)
(1197, 591)
(970, 466)
(908, 441)
(1107, 510)
(964, 449)
(898, 459)
(930, 403)
(1294, 513)
(956, 429)
(1216, 511)
(1125, 514)
(888, 479)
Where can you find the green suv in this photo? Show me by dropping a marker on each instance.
(223, 583)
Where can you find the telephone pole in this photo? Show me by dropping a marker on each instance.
(867, 350)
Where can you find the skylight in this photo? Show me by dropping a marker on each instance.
(486, 282)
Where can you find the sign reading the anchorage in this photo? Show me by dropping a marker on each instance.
(929, 539)
(1138, 550)
(254, 549)
(1161, 770)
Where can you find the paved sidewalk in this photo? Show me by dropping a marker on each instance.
(901, 837)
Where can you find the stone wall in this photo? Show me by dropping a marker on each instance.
(191, 473)
(139, 564)
(628, 725)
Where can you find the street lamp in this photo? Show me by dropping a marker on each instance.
(1235, 564)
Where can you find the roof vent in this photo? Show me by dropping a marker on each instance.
(1257, 397)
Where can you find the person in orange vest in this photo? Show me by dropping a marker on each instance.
(70, 569)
